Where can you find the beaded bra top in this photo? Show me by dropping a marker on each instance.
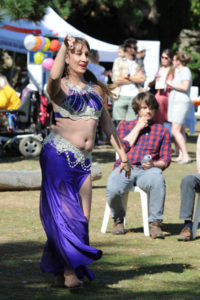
(80, 103)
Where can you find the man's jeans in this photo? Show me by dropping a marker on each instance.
(150, 181)
(190, 185)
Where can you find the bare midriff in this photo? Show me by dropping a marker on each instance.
(81, 133)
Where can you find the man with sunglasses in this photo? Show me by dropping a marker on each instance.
(127, 75)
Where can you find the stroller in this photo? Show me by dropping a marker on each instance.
(23, 130)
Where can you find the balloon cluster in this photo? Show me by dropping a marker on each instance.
(39, 44)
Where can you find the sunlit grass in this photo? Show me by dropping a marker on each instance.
(133, 266)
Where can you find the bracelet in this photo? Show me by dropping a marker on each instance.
(124, 162)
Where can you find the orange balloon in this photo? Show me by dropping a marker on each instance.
(38, 43)
(54, 45)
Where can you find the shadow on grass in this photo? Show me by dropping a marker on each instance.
(19, 269)
(99, 186)
(170, 228)
(8, 158)
(103, 156)
(191, 139)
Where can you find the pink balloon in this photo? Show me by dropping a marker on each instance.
(47, 63)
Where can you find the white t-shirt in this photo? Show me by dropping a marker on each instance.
(131, 88)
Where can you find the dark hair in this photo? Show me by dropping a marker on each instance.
(169, 53)
(129, 42)
(146, 97)
(90, 77)
(93, 54)
(183, 58)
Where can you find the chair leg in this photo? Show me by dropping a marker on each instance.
(196, 219)
(125, 201)
(145, 212)
(105, 219)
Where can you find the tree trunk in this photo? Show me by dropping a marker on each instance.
(31, 179)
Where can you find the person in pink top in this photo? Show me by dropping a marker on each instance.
(165, 73)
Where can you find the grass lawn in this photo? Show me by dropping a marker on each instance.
(133, 266)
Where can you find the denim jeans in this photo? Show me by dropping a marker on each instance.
(150, 181)
(190, 185)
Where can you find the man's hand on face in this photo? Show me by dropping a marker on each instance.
(142, 123)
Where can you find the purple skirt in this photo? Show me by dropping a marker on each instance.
(66, 227)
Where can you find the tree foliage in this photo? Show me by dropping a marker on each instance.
(113, 21)
(107, 16)
(195, 13)
(33, 10)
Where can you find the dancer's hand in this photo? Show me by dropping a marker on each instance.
(69, 41)
(126, 166)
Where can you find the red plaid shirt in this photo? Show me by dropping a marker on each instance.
(153, 140)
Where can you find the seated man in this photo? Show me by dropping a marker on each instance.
(141, 137)
(190, 185)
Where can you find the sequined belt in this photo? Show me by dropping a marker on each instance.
(82, 157)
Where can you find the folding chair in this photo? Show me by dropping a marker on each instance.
(144, 197)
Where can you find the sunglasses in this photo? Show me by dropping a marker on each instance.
(133, 47)
(165, 57)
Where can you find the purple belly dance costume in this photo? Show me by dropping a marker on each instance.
(64, 169)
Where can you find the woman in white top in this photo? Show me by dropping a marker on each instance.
(180, 103)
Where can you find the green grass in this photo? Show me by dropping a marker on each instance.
(133, 266)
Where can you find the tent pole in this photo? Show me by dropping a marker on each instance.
(12, 69)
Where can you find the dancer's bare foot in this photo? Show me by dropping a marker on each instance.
(71, 280)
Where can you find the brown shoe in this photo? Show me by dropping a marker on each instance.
(118, 227)
(155, 230)
(185, 234)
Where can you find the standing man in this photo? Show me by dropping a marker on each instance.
(127, 73)
(141, 53)
(139, 138)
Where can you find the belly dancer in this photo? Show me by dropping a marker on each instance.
(79, 101)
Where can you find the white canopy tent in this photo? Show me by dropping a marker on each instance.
(13, 32)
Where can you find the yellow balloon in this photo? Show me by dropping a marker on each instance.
(38, 57)
(47, 44)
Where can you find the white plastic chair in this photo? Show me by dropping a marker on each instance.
(145, 212)
(196, 219)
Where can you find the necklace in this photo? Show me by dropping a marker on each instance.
(78, 87)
